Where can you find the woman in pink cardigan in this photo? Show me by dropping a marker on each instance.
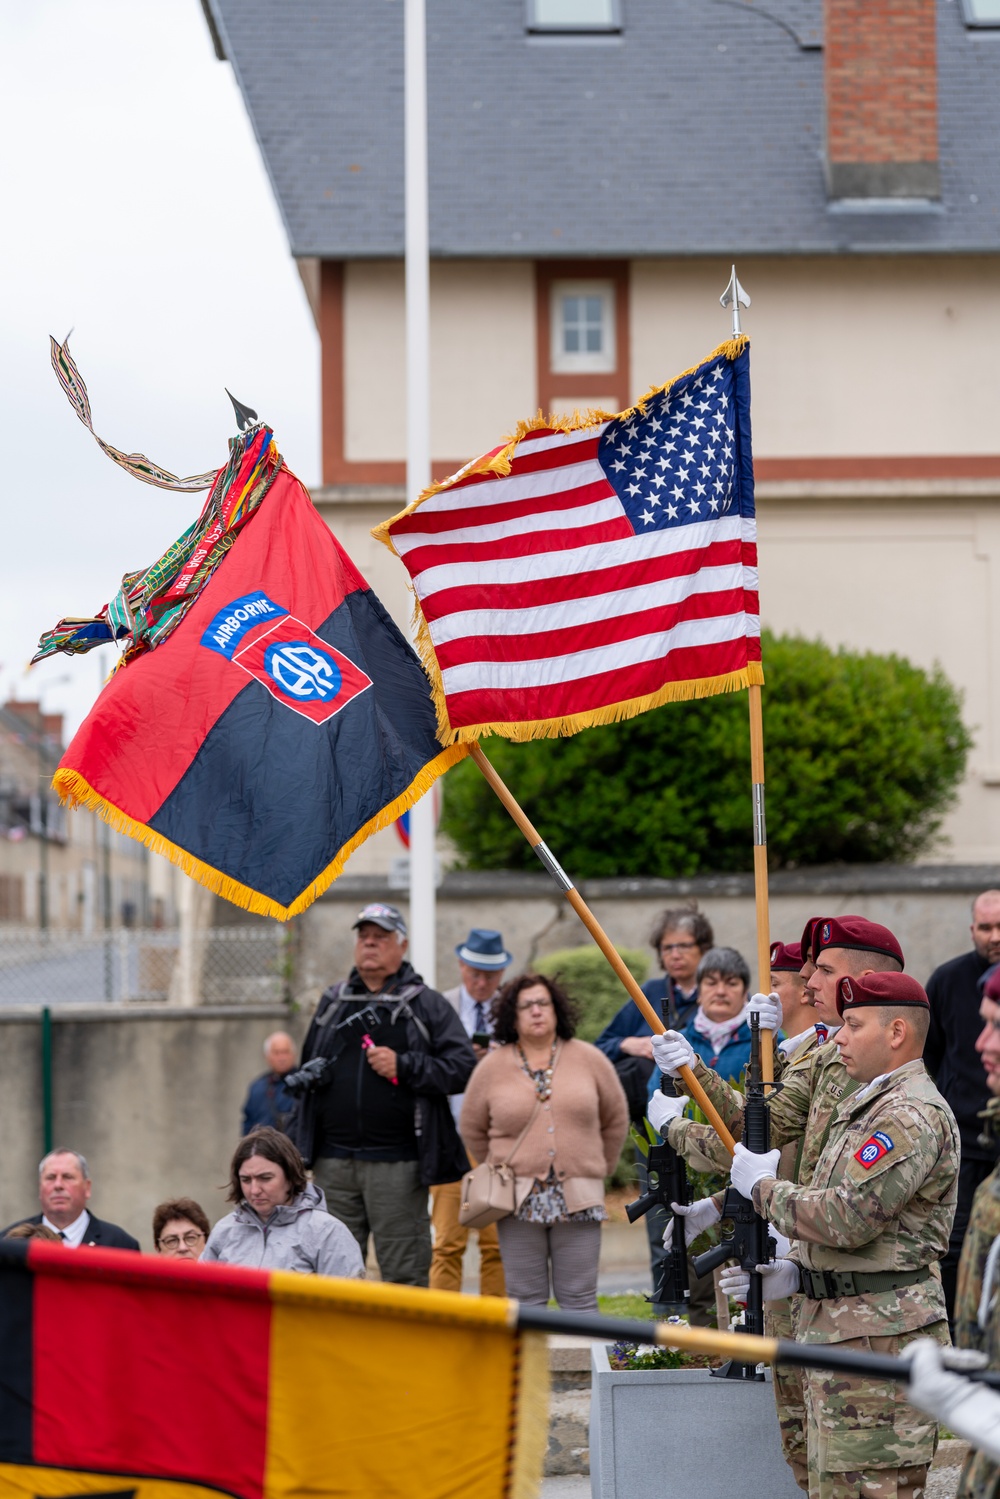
(552, 1108)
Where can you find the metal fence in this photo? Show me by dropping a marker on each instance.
(215, 966)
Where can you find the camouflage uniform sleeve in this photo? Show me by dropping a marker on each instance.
(699, 1145)
(789, 1109)
(856, 1209)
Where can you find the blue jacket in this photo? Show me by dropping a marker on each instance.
(731, 1060)
(629, 1020)
(268, 1101)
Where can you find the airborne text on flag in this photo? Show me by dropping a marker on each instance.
(582, 575)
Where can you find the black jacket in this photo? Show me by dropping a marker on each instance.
(950, 1052)
(99, 1235)
(438, 1061)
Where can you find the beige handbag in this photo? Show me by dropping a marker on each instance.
(488, 1191)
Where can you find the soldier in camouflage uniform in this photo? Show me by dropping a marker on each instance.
(975, 1329)
(813, 1082)
(869, 1230)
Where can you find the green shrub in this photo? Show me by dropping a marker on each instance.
(589, 979)
(863, 757)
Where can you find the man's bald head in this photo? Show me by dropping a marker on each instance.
(279, 1052)
(986, 925)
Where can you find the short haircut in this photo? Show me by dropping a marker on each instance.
(504, 1008)
(686, 918)
(273, 1146)
(273, 1037)
(179, 1207)
(80, 1160)
(32, 1231)
(858, 959)
(981, 896)
(724, 960)
(916, 1016)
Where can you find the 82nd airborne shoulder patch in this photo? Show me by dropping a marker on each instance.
(874, 1149)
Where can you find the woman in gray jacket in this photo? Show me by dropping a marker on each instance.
(280, 1221)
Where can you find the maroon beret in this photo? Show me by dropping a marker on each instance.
(806, 944)
(786, 957)
(991, 988)
(857, 933)
(880, 989)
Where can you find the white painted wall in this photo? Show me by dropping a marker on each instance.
(864, 355)
(482, 356)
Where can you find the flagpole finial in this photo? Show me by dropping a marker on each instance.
(735, 297)
(246, 417)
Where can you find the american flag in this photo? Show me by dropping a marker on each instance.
(583, 575)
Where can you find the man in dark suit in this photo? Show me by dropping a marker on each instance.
(64, 1191)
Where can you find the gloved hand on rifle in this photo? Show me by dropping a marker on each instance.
(967, 1409)
(662, 1109)
(779, 1278)
(768, 1007)
(749, 1168)
(697, 1215)
(671, 1052)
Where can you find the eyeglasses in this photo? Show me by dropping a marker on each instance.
(189, 1240)
(677, 946)
(535, 1004)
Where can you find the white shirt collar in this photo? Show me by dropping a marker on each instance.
(467, 1012)
(791, 1044)
(72, 1235)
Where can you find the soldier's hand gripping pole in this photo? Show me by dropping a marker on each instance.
(691, 1084)
(750, 1242)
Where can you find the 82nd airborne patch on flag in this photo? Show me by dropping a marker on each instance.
(874, 1149)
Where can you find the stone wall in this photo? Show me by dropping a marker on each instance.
(927, 906)
(151, 1096)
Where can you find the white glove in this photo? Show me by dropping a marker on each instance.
(671, 1052)
(735, 1282)
(698, 1216)
(662, 1109)
(779, 1280)
(749, 1169)
(970, 1411)
(768, 1007)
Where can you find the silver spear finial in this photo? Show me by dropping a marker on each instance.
(734, 296)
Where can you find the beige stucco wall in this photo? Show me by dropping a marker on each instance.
(863, 355)
(482, 356)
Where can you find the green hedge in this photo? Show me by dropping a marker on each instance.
(863, 757)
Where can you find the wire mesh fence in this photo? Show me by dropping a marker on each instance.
(214, 966)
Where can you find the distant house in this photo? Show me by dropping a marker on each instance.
(595, 166)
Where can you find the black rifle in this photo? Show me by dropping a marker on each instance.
(666, 1183)
(749, 1242)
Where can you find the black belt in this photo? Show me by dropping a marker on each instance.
(819, 1285)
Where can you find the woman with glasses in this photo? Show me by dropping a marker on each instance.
(180, 1229)
(552, 1108)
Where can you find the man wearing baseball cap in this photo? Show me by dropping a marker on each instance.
(482, 962)
(868, 1232)
(376, 1125)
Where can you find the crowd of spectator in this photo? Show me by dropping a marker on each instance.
(362, 1141)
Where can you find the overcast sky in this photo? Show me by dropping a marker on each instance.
(136, 212)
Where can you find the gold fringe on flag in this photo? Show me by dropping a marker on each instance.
(75, 791)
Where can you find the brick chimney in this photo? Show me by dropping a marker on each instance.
(881, 99)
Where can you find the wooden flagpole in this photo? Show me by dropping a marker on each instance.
(590, 921)
(734, 296)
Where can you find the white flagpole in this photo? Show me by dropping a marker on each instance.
(423, 936)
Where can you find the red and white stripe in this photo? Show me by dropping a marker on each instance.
(542, 602)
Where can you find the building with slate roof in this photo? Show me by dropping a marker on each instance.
(595, 166)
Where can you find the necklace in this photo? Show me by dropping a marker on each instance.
(541, 1077)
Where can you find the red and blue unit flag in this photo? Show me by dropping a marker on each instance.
(282, 720)
(585, 572)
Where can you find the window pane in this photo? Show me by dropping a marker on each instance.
(594, 340)
(594, 309)
(983, 12)
(571, 340)
(572, 12)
